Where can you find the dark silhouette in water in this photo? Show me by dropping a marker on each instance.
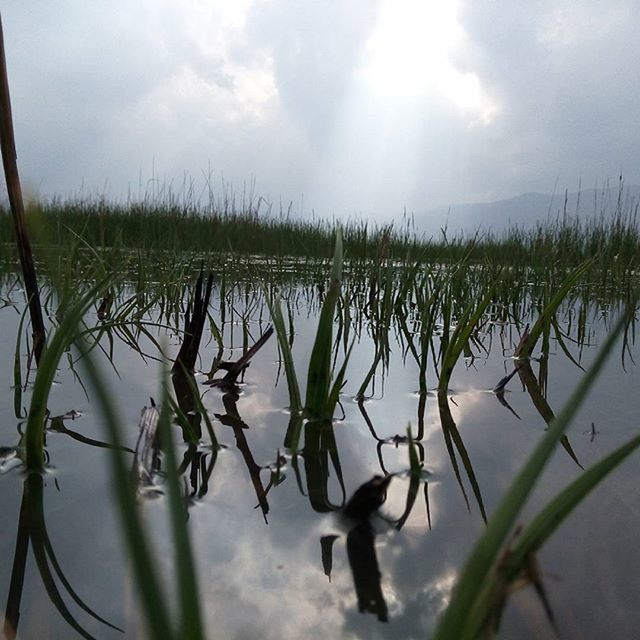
(368, 498)
(361, 549)
(361, 552)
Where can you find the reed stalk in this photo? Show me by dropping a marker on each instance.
(14, 190)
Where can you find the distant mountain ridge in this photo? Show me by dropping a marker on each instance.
(528, 209)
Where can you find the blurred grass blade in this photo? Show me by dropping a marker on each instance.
(191, 620)
(47, 367)
(487, 549)
(546, 522)
(153, 603)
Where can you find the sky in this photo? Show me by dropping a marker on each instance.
(334, 108)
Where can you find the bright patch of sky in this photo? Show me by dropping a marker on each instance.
(411, 54)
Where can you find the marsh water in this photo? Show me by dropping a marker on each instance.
(275, 559)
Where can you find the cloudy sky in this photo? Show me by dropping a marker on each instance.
(342, 107)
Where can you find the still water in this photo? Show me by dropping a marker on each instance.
(274, 557)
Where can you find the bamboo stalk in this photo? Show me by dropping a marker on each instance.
(9, 160)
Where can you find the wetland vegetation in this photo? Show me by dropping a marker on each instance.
(217, 384)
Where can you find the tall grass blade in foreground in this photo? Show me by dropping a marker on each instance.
(517, 557)
(191, 620)
(153, 602)
(14, 191)
(454, 622)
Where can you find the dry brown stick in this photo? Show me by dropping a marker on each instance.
(9, 160)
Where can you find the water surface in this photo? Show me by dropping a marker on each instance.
(272, 552)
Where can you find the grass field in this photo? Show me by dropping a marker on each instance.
(165, 226)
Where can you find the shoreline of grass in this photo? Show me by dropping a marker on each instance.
(614, 240)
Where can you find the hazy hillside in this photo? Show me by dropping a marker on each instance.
(528, 209)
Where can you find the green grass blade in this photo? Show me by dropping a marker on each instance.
(548, 312)
(487, 549)
(533, 536)
(545, 523)
(338, 383)
(295, 401)
(463, 330)
(319, 374)
(191, 619)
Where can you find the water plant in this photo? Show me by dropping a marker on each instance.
(322, 393)
(545, 320)
(121, 232)
(323, 389)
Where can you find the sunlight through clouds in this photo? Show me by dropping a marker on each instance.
(410, 55)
